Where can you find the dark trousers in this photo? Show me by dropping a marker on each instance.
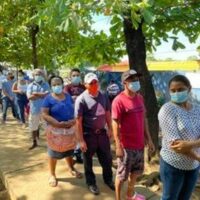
(99, 144)
(6, 102)
(177, 184)
(21, 104)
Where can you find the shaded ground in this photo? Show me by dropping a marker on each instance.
(25, 173)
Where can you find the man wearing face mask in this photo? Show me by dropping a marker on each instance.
(75, 88)
(8, 97)
(36, 92)
(130, 130)
(92, 112)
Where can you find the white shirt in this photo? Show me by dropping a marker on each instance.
(178, 123)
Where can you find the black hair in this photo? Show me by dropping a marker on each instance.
(52, 77)
(21, 71)
(182, 79)
(75, 70)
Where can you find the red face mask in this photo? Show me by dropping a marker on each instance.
(93, 88)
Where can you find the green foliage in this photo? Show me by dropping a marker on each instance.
(66, 32)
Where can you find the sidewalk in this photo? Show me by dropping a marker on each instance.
(25, 173)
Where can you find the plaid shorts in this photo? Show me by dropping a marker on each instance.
(132, 162)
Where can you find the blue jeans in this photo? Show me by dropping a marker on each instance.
(22, 102)
(6, 102)
(177, 184)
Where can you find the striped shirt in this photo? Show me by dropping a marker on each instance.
(177, 123)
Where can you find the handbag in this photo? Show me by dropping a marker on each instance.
(61, 139)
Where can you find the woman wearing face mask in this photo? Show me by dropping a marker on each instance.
(20, 89)
(179, 120)
(58, 112)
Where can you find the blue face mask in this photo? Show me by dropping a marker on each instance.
(39, 78)
(57, 89)
(76, 80)
(134, 86)
(179, 97)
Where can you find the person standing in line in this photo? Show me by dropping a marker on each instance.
(131, 133)
(75, 88)
(92, 112)
(58, 112)
(113, 90)
(179, 121)
(8, 97)
(20, 89)
(36, 92)
(2, 79)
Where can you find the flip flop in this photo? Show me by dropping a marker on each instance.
(52, 181)
(76, 173)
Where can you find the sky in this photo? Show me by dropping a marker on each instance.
(163, 51)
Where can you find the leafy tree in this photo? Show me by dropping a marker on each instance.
(140, 25)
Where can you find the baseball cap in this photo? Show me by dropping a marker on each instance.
(90, 77)
(129, 73)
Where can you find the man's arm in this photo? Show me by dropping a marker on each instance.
(108, 122)
(147, 136)
(79, 134)
(116, 134)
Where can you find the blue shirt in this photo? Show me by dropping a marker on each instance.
(7, 87)
(61, 110)
(35, 105)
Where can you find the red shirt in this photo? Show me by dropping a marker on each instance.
(130, 112)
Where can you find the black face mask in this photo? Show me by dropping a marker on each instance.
(12, 77)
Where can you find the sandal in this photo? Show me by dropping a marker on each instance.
(52, 181)
(76, 173)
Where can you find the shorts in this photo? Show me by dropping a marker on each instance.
(132, 162)
(34, 122)
(59, 155)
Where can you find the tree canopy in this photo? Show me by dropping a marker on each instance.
(66, 32)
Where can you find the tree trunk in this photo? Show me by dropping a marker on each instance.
(135, 45)
(34, 30)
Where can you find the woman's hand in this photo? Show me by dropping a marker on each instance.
(181, 146)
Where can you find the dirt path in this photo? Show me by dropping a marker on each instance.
(25, 173)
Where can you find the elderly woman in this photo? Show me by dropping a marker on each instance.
(179, 121)
(58, 112)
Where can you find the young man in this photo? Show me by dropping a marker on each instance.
(36, 92)
(92, 112)
(131, 132)
(75, 88)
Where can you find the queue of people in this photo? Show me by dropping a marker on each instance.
(80, 120)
